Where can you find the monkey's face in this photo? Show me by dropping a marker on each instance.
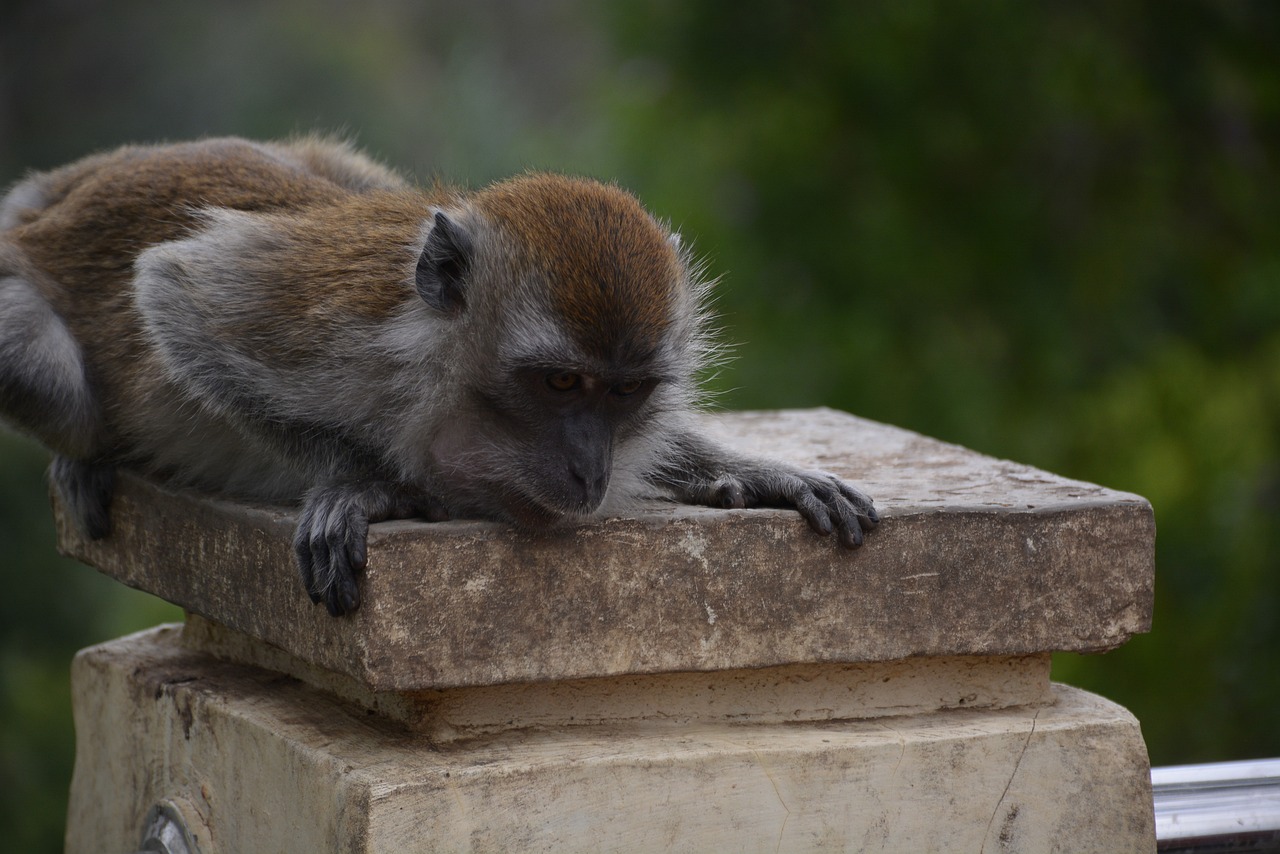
(563, 426)
(565, 306)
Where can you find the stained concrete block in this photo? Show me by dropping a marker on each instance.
(259, 761)
(681, 679)
(975, 557)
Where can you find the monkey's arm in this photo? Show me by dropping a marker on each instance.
(702, 472)
(295, 378)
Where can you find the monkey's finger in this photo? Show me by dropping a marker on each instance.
(347, 593)
(341, 596)
(824, 488)
(302, 554)
(343, 589)
(848, 523)
(321, 561)
(321, 554)
(814, 511)
(358, 542)
(331, 603)
(335, 534)
(868, 518)
(339, 534)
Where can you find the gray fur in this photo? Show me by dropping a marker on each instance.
(43, 391)
(438, 410)
(189, 293)
(23, 199)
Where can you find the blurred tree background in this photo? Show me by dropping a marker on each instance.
(1050, 232)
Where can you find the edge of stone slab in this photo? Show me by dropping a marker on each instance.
(793, 693)
(733, 589)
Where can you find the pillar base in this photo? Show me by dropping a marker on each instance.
(258, 761)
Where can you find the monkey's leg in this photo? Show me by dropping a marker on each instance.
(43, 392)
(704, 473)
(86, 488)
(331, 542)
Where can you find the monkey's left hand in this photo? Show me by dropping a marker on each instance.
(331, 541)
(826, 502)
(705, 472)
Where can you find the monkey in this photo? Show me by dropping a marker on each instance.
(293, 322)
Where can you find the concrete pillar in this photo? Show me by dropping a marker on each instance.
(686, 679)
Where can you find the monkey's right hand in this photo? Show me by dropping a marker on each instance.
(331, 542)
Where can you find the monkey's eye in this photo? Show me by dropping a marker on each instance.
(625, 389)
(564, 381)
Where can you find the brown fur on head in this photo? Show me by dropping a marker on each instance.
(610, 267)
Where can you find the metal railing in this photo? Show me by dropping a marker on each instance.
(1220, 806)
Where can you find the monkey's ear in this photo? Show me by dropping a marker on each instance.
(443, 265)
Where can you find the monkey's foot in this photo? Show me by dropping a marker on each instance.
(86, 489)
(331, 542)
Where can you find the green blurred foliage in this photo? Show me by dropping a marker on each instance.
(1050, 232)
(51, 608)
(1046, 231)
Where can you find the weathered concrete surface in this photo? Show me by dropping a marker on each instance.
(268, 763)
(789, 693)
(975, 557)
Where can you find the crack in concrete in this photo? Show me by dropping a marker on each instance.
(902, 751)
(782, 830)
(902, 746)
(1005, 793)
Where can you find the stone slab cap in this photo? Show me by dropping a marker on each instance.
(974, 556)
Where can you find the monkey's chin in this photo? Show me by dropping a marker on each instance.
(532, 515)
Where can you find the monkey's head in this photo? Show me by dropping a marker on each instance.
(576, 328)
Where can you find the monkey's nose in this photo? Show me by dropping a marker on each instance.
(589, 485)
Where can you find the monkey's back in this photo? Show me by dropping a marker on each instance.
(75, 233)
(86, 223)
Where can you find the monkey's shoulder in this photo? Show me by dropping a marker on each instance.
(285, 282)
